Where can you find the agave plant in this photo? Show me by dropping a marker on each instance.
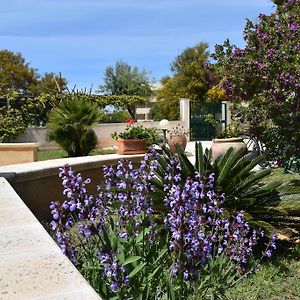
(243, 188)
(71, 123)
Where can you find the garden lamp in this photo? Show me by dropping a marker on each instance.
(164, 126)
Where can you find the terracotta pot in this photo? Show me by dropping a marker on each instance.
(131, 146)
(177, 139)
(220, 146)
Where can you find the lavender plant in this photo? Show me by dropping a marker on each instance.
(128, 250)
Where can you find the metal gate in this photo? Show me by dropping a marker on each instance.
(200, 129)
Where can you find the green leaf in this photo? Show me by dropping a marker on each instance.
(254, 162)
(188, 167)
(121, 252)
(264, 189)
(251, 179)
(171, 289)
(199, 163)
(136, 270)
(267, 210)
(142, 234)
(222, 159)
(228, 164)
(157, 182)
(288, 189)
(161, 254)
(267, 227)
(152, 274)
(131, 260)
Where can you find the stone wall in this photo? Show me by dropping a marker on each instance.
(18, 153)
(32, 265)
(38, 183)
(103, 132)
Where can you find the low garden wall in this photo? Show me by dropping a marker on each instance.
(38, 183)
(17, 153)
(32, 265)
(103, 132)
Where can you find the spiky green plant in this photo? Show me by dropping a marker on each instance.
(71, 123)
(243, 187)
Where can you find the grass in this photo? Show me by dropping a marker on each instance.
(277, 280)
(53, 154)
(279, 175)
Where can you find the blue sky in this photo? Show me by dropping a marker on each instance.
(80, 38)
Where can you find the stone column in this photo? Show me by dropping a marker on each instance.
(184, 105)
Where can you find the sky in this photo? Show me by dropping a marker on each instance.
(80, 38)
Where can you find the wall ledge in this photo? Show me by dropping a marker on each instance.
(32, 266)
(42, 169)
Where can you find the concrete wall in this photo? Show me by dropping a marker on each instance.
(38, 183)
(103, 132)
(17, 153)
(32, 265)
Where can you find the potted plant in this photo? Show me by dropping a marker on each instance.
(135, 139)
(177, 135)
(230, 137)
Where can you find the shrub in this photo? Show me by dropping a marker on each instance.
(234, 176)
(71, 123)
(135, 132)
(11, 125)
(122, 246)
(265, 75)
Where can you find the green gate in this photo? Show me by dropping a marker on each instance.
(200, 129)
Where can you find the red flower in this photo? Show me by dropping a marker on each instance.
(130, 121)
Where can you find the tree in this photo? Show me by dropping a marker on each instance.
(116, 116)
(123, 80)
(168, 98)
(265, 75)
(26, 97)
(71, 123)
(11, 125)
(51, 83)
(15, 73)
(190, 80)
(279, 2)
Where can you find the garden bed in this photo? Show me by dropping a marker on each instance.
(278, 279)
(125, 257)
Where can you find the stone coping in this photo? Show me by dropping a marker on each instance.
(32, 266)
(41, 169)
(18, 153)
(20, 146)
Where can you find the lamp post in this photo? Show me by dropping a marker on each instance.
(164, 126)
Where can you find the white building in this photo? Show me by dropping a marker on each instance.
(143, 111)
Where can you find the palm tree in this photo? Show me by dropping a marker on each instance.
(71, 123)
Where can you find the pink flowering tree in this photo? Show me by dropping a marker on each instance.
(264, 77)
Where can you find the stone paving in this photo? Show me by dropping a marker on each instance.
(32, 266)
